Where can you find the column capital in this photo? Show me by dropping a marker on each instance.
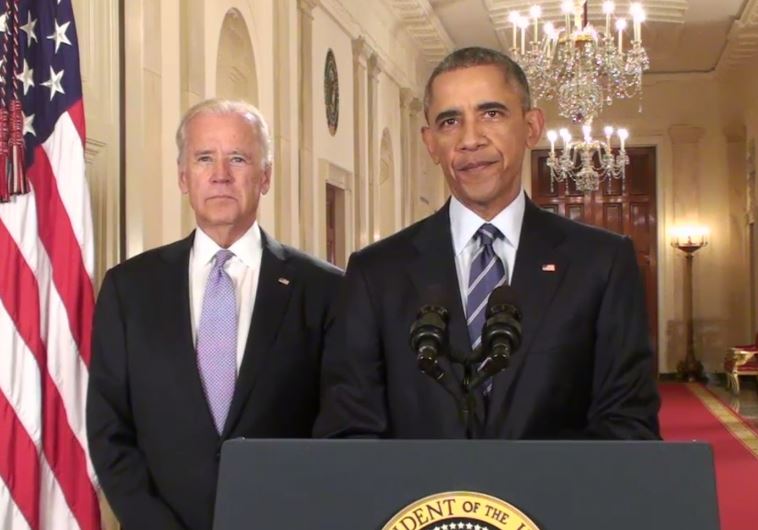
(686, 134)
(307, 6)
(362, 51)
(375, 66)
(416, 106)
(406, 96)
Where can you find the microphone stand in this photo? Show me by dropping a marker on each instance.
(466, 401)
(469, 402)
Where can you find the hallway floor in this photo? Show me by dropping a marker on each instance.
(745, 404)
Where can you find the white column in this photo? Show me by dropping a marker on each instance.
(685, 141)
(153, 93)
(362, 217)
(415, 109)
(686, 163)
(99, 23)
(134, 125)
(406, 176)
(308, 236)
(737, 265)
(374, 69)
(171, 90)
(285, 123)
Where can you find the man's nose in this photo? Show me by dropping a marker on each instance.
(221, 171)
(472, 136)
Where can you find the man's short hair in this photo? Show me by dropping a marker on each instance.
(477, 56)
(227, 106)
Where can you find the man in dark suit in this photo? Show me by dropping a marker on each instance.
(584, 367)
(213, 337)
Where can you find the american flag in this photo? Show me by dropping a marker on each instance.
(46, 270)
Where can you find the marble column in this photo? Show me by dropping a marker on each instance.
(362, 213)
(416, 151)
(374, 69)
(686, 163)
(285, 123)
(406, 176)
(307, 172)
(752, 236)
(740, 301)
(171, 112)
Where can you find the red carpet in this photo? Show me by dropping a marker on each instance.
(691, 412)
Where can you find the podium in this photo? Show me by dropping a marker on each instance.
(558, 485)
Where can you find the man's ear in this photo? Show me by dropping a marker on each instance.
(182, 177)
(266, 179)
(535, 121)
(430, 142)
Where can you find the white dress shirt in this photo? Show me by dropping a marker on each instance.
(463, 225)
(244, 269)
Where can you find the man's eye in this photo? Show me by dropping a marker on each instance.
(449, 122)
(204, 158)
(492, 113)
(238, 160)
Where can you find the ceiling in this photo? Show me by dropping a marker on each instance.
(679, 35)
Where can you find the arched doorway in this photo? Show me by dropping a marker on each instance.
(235, 66)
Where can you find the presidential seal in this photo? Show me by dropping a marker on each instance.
(460, 510)
(331, 93)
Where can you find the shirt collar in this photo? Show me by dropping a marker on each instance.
(247, 249)
(464, 223)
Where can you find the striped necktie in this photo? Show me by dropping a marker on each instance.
(487, 272)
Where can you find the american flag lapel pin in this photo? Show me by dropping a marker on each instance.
(548, 267)
(283, 281)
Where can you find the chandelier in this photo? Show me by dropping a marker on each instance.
(583, 68)
(589, 161)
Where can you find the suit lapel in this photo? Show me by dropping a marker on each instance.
(176, 326)
(539, 269)
(433, 270)
(271, 299)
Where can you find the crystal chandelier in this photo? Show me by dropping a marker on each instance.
(577, 161)
(583, 68)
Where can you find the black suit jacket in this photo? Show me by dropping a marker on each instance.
(584, 369)
(151, 434)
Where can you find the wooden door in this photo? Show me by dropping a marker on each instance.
(331, 224)
(626, 207)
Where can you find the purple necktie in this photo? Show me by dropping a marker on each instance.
(217, 340)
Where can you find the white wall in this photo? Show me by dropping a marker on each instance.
(337, 149)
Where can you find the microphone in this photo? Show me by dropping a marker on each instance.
(501, 334)
(428, 338)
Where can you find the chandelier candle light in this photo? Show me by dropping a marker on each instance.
(581, 66)
(577, 160)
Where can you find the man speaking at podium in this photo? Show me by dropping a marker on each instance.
(583, 369)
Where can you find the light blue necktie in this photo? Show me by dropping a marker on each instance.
(487, 272)
(217, 340)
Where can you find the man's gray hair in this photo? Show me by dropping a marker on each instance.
(477, 56)
(227, 106)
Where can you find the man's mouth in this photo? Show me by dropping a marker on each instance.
(474, 166)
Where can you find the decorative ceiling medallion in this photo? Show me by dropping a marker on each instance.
(331, 93)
